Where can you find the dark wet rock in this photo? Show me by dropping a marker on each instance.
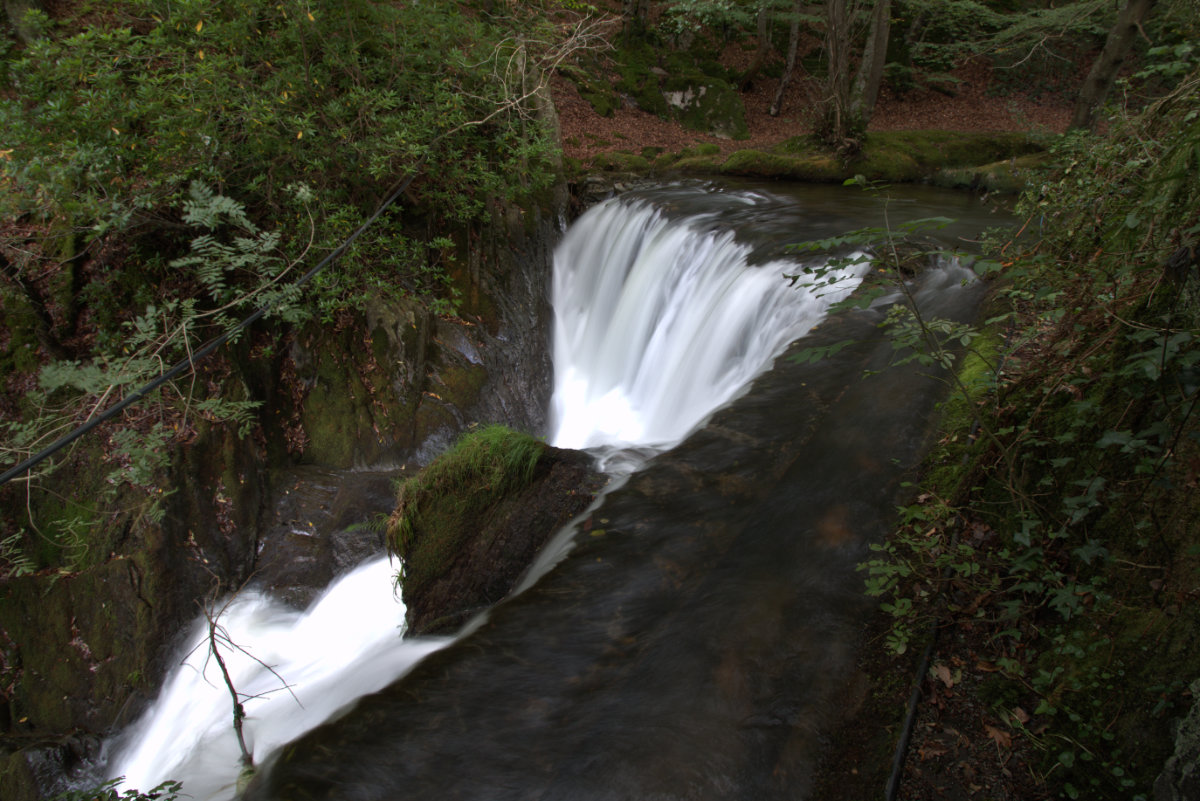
(324, 522)
(40, 770)
(1180, 778)
(498, 543)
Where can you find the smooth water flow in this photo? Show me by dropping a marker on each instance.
(347, 644)
(692, 643)
(659, 320)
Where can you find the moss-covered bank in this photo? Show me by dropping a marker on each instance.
(948, 158)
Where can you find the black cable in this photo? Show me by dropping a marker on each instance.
(910, 718)
(207, 349)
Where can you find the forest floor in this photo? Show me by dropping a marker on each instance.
(974, 106)
(959, 749)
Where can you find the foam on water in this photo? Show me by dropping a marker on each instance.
(345, 645)
(660, 321)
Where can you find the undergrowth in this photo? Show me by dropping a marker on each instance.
(1055, 536)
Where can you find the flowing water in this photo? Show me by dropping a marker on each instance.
(693, 642)
(660, 319)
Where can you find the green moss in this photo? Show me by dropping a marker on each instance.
(335, 409)
(678, 85)
(437, 510)
(461, 385)
(703, 165)
(702, 103)
(814, 167)
(798, 146)
(976, 374)
(1010, 176)
(895, 156)
(621, 162)
(911, 155)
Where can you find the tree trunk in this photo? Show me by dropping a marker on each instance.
(1108, 64)
(790, 67)
(865, 90)
(15, 11)
(835, 121)
(636, 17)
(764, 49)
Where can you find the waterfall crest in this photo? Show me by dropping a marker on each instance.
(660, 320)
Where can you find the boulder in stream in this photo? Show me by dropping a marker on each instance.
(469, 525)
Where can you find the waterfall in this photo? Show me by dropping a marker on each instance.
(660, 320)
(297, 669)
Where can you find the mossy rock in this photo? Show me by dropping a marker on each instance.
(896, 156)
(816, 167)
(706, 104)
(914, 155)
(674, 85)
(95, 636)
(1010, 176)
(468, 525)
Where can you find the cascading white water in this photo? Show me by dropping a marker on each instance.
(345, 645)
(659, 321)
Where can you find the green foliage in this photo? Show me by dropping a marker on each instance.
(1079, 492)
(115, 120)
(167, 791)
(1032, 50)
(12, 554)
(940, 34)
(724, 19)
(228, 273)
(311, 117)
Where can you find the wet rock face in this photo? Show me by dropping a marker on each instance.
(502, 541)
(322, 523)
(393, 379)
(1180, 778)
(390, 384)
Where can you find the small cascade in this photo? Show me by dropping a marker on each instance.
(293, 669)
(660, 320)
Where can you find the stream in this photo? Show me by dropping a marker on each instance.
(695, 634)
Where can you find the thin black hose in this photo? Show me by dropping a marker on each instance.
(910, 719)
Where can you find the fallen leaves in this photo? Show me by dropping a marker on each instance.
(1001, 738)
(942, 672)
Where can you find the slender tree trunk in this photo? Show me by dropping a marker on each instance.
(790, 66)
(835, 122)
(764, 48)
(15, 11)
(865, 90)
(1108, 64)
(636, 16)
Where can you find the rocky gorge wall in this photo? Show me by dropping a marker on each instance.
(381, 388)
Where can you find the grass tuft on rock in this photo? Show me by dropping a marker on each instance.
(438, 509)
